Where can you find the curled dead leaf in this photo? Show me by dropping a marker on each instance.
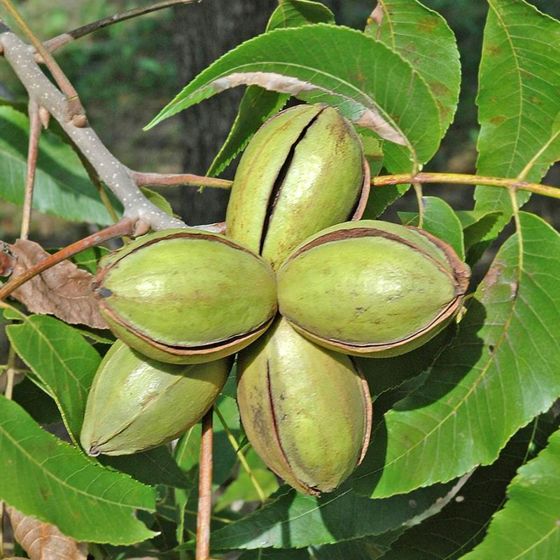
(6, 260)
(64, 290)
(43, 541)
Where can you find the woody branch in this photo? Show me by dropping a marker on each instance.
(111, 171)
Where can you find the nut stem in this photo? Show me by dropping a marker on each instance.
(205, 490)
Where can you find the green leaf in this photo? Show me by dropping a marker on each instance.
(89, 258)
(439, 220)
(461, 525)
(52, 481)
(257, 104)
(158, 200)
(501, 370)
(324, 63)
(518, 100)
(295, 13)
(243, 488)
(19, 106)
(39, 404)
(369, 548)
(528, 526)
(381, 198)
(384, 374)
(423, 38)
(293, 520)
(476, 226)
(186, 458)
(187, 449)
(477, 232)
(225, 457)
(373, 150)
(153, 467)
(62, 186)
(63, 362)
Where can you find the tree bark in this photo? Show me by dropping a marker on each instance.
(202, 34)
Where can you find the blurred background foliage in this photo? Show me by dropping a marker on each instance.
(127, 72)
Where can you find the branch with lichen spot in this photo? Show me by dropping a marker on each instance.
(111, 171)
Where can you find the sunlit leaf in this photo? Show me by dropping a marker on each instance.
(501, 370)
(44, 477)
(518, 100)
(295, 13)
(243, 488)
(325, 63)
(423, 38)
(462, 524)
(439, 220)
(61, 360)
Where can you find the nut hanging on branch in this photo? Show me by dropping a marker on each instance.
(305, 410)
(136, 404)
(372, 288)
(304, 170)
(186, 296)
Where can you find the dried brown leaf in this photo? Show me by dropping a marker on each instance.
(63, 290)
(42, 541)
(6, 260)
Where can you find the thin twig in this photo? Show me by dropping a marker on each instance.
(32, 153)
(124, 227)
(10, 374)
(242, 459)
(465, 179)
(76, 111)
(65, 38)
(178, 179)
(204, 490)
(517, 221)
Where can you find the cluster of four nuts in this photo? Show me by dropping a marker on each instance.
(365, 288)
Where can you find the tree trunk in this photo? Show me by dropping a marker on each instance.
(203, 33)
